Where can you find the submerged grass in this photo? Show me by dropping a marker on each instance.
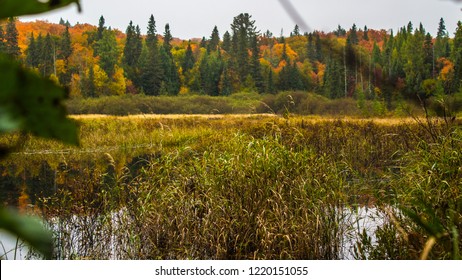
(254, 187)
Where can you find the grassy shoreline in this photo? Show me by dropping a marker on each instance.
(245, 187)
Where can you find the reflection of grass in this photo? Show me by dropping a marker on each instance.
(245, 187)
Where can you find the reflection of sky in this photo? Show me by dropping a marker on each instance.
(8, 245)
(194, 19)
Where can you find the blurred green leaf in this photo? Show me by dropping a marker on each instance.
(33, 104)
(29, 229)
(14, 8)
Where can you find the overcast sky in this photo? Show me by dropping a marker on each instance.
(196, 18)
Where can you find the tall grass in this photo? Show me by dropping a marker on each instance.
(256, 187)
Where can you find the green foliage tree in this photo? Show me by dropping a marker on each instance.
(11, 39)
(151, 67)
(226, 42)
(33, 53)
(47, 55)
(132, 52)
(108, 52)
(214, 40)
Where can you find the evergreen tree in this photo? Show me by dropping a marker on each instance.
(243, 28)
(270, 86)
(151, 67)
(170, 78)
(66, 45)
(226, 42)
(47, 56)
(32, 53)
(311, 48)
(334, 83)
(318, 45)
(255, 66)
(11, 38)
(203, 43)
(211, 69)
(442, 41)
(189, 60)
(225, 84)
(456, 57)
(366, 34)
(65, 52)
(296, 31)
(132, 53)
(108, 51)
(130, 57)
(353, 35)
(167, 39)
(340, 32)
(214, 40)
(101, 28)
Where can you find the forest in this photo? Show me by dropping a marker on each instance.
(235, 186)
(359, 63)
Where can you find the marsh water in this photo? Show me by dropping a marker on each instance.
(102, 235)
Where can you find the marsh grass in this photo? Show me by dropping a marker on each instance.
(254, 187)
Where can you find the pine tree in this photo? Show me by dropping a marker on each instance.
(167, 39)
(132, 53)
(170, 78)
(47, 56)
(189, 60)
(226, 42)
(442, 41)
(243, 28)
(270, 87)
(11, 38)
(214, 40)
(456, 57)
(296, 31)
(66, 45)
(130, 57)
(151, 68)
(32, 53)
(366, 34)
(108, 51)
(225, 84)
(255, 66)
(353, 35)
(101, 28)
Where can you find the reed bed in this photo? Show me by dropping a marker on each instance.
(245, 187)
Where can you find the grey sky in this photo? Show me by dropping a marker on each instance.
(196, 18)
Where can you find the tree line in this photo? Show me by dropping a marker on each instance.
(371, 64)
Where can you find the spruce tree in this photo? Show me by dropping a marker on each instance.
(442, 41)
(151, 68)
(189, 60)
(226, 42)
(171, 79)
(366, 34)
(32, 53)
(255, 66)
(456, 57)
(167, 39)
(66, 45)
(214, 40)
(47, 56)
(11, 38)
(101, 28)
(108, 51)
(353, 35)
